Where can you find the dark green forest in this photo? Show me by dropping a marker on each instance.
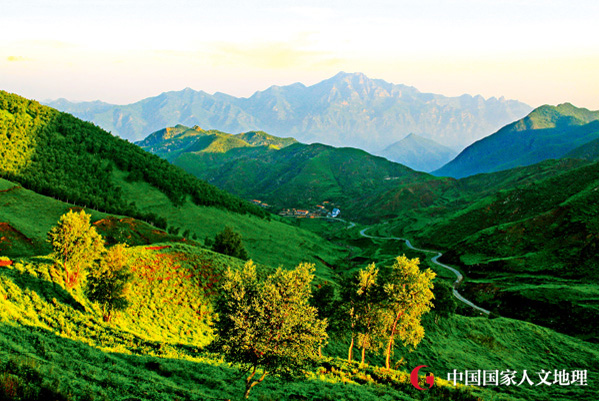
(58, 155)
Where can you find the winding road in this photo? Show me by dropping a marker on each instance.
(435, 260)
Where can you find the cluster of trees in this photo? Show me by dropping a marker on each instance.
(273, 324)
(229, 242)
(267, 323)
(58, 155)
(79, 251)
(379, 307)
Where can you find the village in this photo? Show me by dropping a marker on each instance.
(326, 210)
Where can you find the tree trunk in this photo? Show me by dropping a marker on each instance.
(320, 351)
(390, 344)
(363, 354)
(249, 384)
(350, 353)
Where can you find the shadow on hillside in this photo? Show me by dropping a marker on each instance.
(75, 367)
(46, 290)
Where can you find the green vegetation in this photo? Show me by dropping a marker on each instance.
(546, 133)
(108, 283)
(268, 324)
(289, 175)
(534, 233)
(54, 342)
(77, 245)
(156, 347)
(408, 297)
(36, 138)
(228, 242)
(172, 142)
(165, 319)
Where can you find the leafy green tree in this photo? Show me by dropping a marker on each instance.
(327, 304)
(229, 242)
(268, 325)
(108, 282)
(362, 299)
(445, 303)
(408, 297)
(77, 245)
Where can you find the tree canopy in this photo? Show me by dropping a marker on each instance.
(229, 242)
(268, 324)
(76, 244)
(108, 282)
(408, 297)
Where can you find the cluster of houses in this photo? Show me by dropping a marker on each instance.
(319, 211)
(260, 203)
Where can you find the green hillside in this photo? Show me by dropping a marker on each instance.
(546, 133)
(55, 345)
(171, 142)
(529, 249)
(526, 239)
(35, 139)
(294, 175)
(105, 173)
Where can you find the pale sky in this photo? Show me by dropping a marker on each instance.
(121, 51)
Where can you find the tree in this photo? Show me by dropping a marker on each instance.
(229, 242)
(268, 324)
(325, 301)
(408, 297)
(77, 245)
(361, 297)
(445, 303)
(108, 282)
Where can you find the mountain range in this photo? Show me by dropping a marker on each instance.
(548, 132)
(348, 109)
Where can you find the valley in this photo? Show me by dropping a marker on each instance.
(520, 244)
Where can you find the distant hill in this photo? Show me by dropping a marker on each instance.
(171, 142)
(287, 174)
(345, 110)
(546, 133)
(419, 153)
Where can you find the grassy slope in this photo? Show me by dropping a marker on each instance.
(54, 340)
(269, 242)
(524, 245)
(304, 175)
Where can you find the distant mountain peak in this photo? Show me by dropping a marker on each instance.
(418, 153)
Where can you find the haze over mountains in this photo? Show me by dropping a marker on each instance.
(345, 110)
(419, 153)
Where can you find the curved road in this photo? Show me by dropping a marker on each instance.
(435, 260)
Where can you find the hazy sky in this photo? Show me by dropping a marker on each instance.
(120, 51)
